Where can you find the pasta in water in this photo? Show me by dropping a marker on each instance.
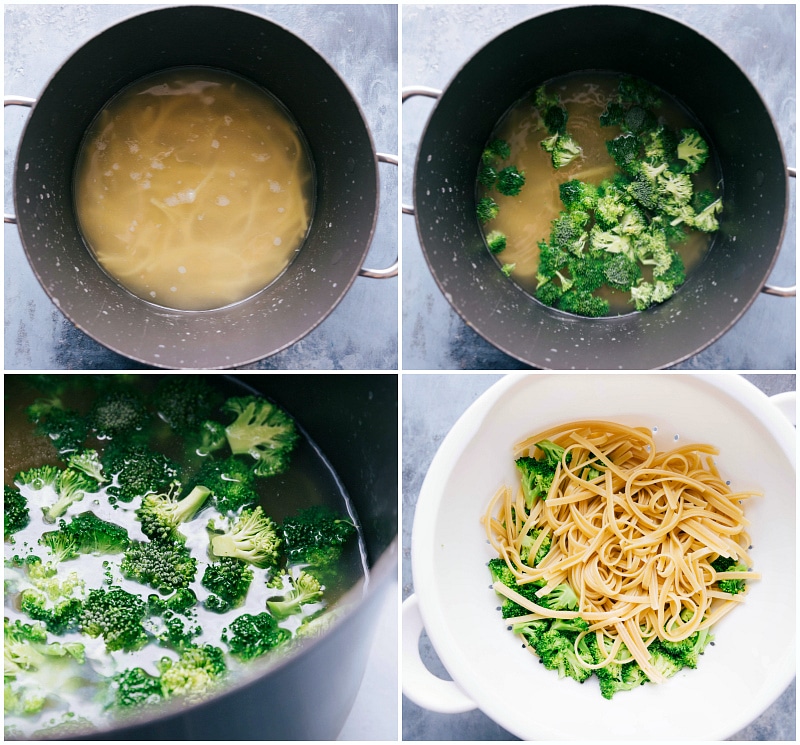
(193, 188)
(653, 545)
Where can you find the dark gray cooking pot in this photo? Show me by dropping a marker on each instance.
(308, 696)
(620, 39)
(341, 148)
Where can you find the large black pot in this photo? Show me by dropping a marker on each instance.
(341, 149)
(308, 695)
(682, 62)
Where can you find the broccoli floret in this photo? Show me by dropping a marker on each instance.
(161, 514)
(134, 688)
(727, 564)
(496, 149)
(617, 675)
(194, 674)
(510, 181)
(507, 269)
(610, 241)
(687, 651)
(71, 486)
(692, 149)
(317, 536)
(660, 144)
(642, 295)
(231, 482)
(85, 534)
(39, 477)
(557, 652)
(303, 589)
(164, 566)
(624, 151)
(117, 616)
(185, 402)
(88, 462)
(582, 303)
(250, 636)
(577, 195)
(587, 271)
(527, 543)
(561, 597)
(65, 428)
(15, 511)
(55, 601)
(567, 231)
(486, 209)
(621, 272)
(554, 115)
(645, 191)
(116, 413)
(487, 175)
(562, 148)
(502, 573)
(638, 91)
(613, 115)
(262, 430)
(536, 477)
(496, 241)
(551, 260)
(662, 662)
(229, 579)
(548, 292)
(675, 273)
(609, 209)
(178, 633)
(707, 220)
(138, 471)
(210, 438)
(251, 537)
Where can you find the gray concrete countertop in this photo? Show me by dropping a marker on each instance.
(431, 406)
(360, 43)
(437, 42)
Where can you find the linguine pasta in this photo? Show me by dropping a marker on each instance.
(635, 542)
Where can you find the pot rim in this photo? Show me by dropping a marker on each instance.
(427, 543)
(525, 297)
(179, 318)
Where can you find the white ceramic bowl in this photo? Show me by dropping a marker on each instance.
(753, 658)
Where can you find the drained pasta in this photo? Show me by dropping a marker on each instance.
(632, 530)
(193, 188)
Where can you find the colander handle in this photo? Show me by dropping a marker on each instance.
(786, 403)
(390, 271)
(15, 101)
(791, 290)
(411, 92)
(419, 684)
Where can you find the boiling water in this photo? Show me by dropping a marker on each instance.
(193, 188)
(525, 219)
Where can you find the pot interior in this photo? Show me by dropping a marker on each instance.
(668, 54)
(340, 147)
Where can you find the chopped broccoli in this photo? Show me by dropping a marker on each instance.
(486, 209)
(138, 471)
(56, 601)
(316, 536)
(161, 514)
(497, 148)
(229, 579)
(262, 430)
(117, 616)
(133, 688)
(185, 402)
(510, 181)
(624, 150)
(707, 220)
(567, 231)
(556, 650)
(687, 651)
(231, 482)
(39, 477)
(65, 428)
(548, 292)
(487, 175)
(621, 272)
(178, 633)
(194, 674)
(303, 589)
(642, 295)
(553, 453)
(561, 597)
(210, 438)
(250, 636)
(88, 463)
(582, 303)
(164, 566)
(496, 241)
(501, 572)
(554, 115)
(252, 537)
(577, 195)
(15, 511)
(536, 476)
(692, 149)
(562, 148)
(727, 564)
(85, 534)
(71, 486)
(527, 544)
(507, 269)
(610, 241)
(117, 412)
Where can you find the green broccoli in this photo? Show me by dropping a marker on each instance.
(642, 295)
(510, 181)
(164, 566)
(229, 580)
(250, 636)
(263, 431)
(178, 633)
(728, 564)
(692, 149)
(251, 537)
(317, 535)
(39, 477)
(556, 650)
(496, 241)
(497, 148)
(587, 271)
(56, 601)
(71, 486)
(138, 471)
(16, 514)
(548, 292)
(486, 209)
(134, 688)
(117, 412)
(707, 219)
(195, 674)
(561, 597)
(184, 402)
(554, 114)
(537, 477)
(231, 481)
(582, 303)
(577, 195)
(621, 272)
(567, 231)
(66, 429)
(501, 572)
(303, 589)
(85, 534)
(624, 151)
(553, 453)
(88, 463)
(562, 148)
(487, 175)
(527, 544)
(507, 269)
(117, 616)
(161, 514)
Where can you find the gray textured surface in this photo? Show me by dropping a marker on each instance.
(439, 39)
(431, 405)
(360, 43)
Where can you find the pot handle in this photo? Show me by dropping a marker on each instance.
(419, 684)
(15, 101)
(410, 92)
(390, 271)
(791, 290)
